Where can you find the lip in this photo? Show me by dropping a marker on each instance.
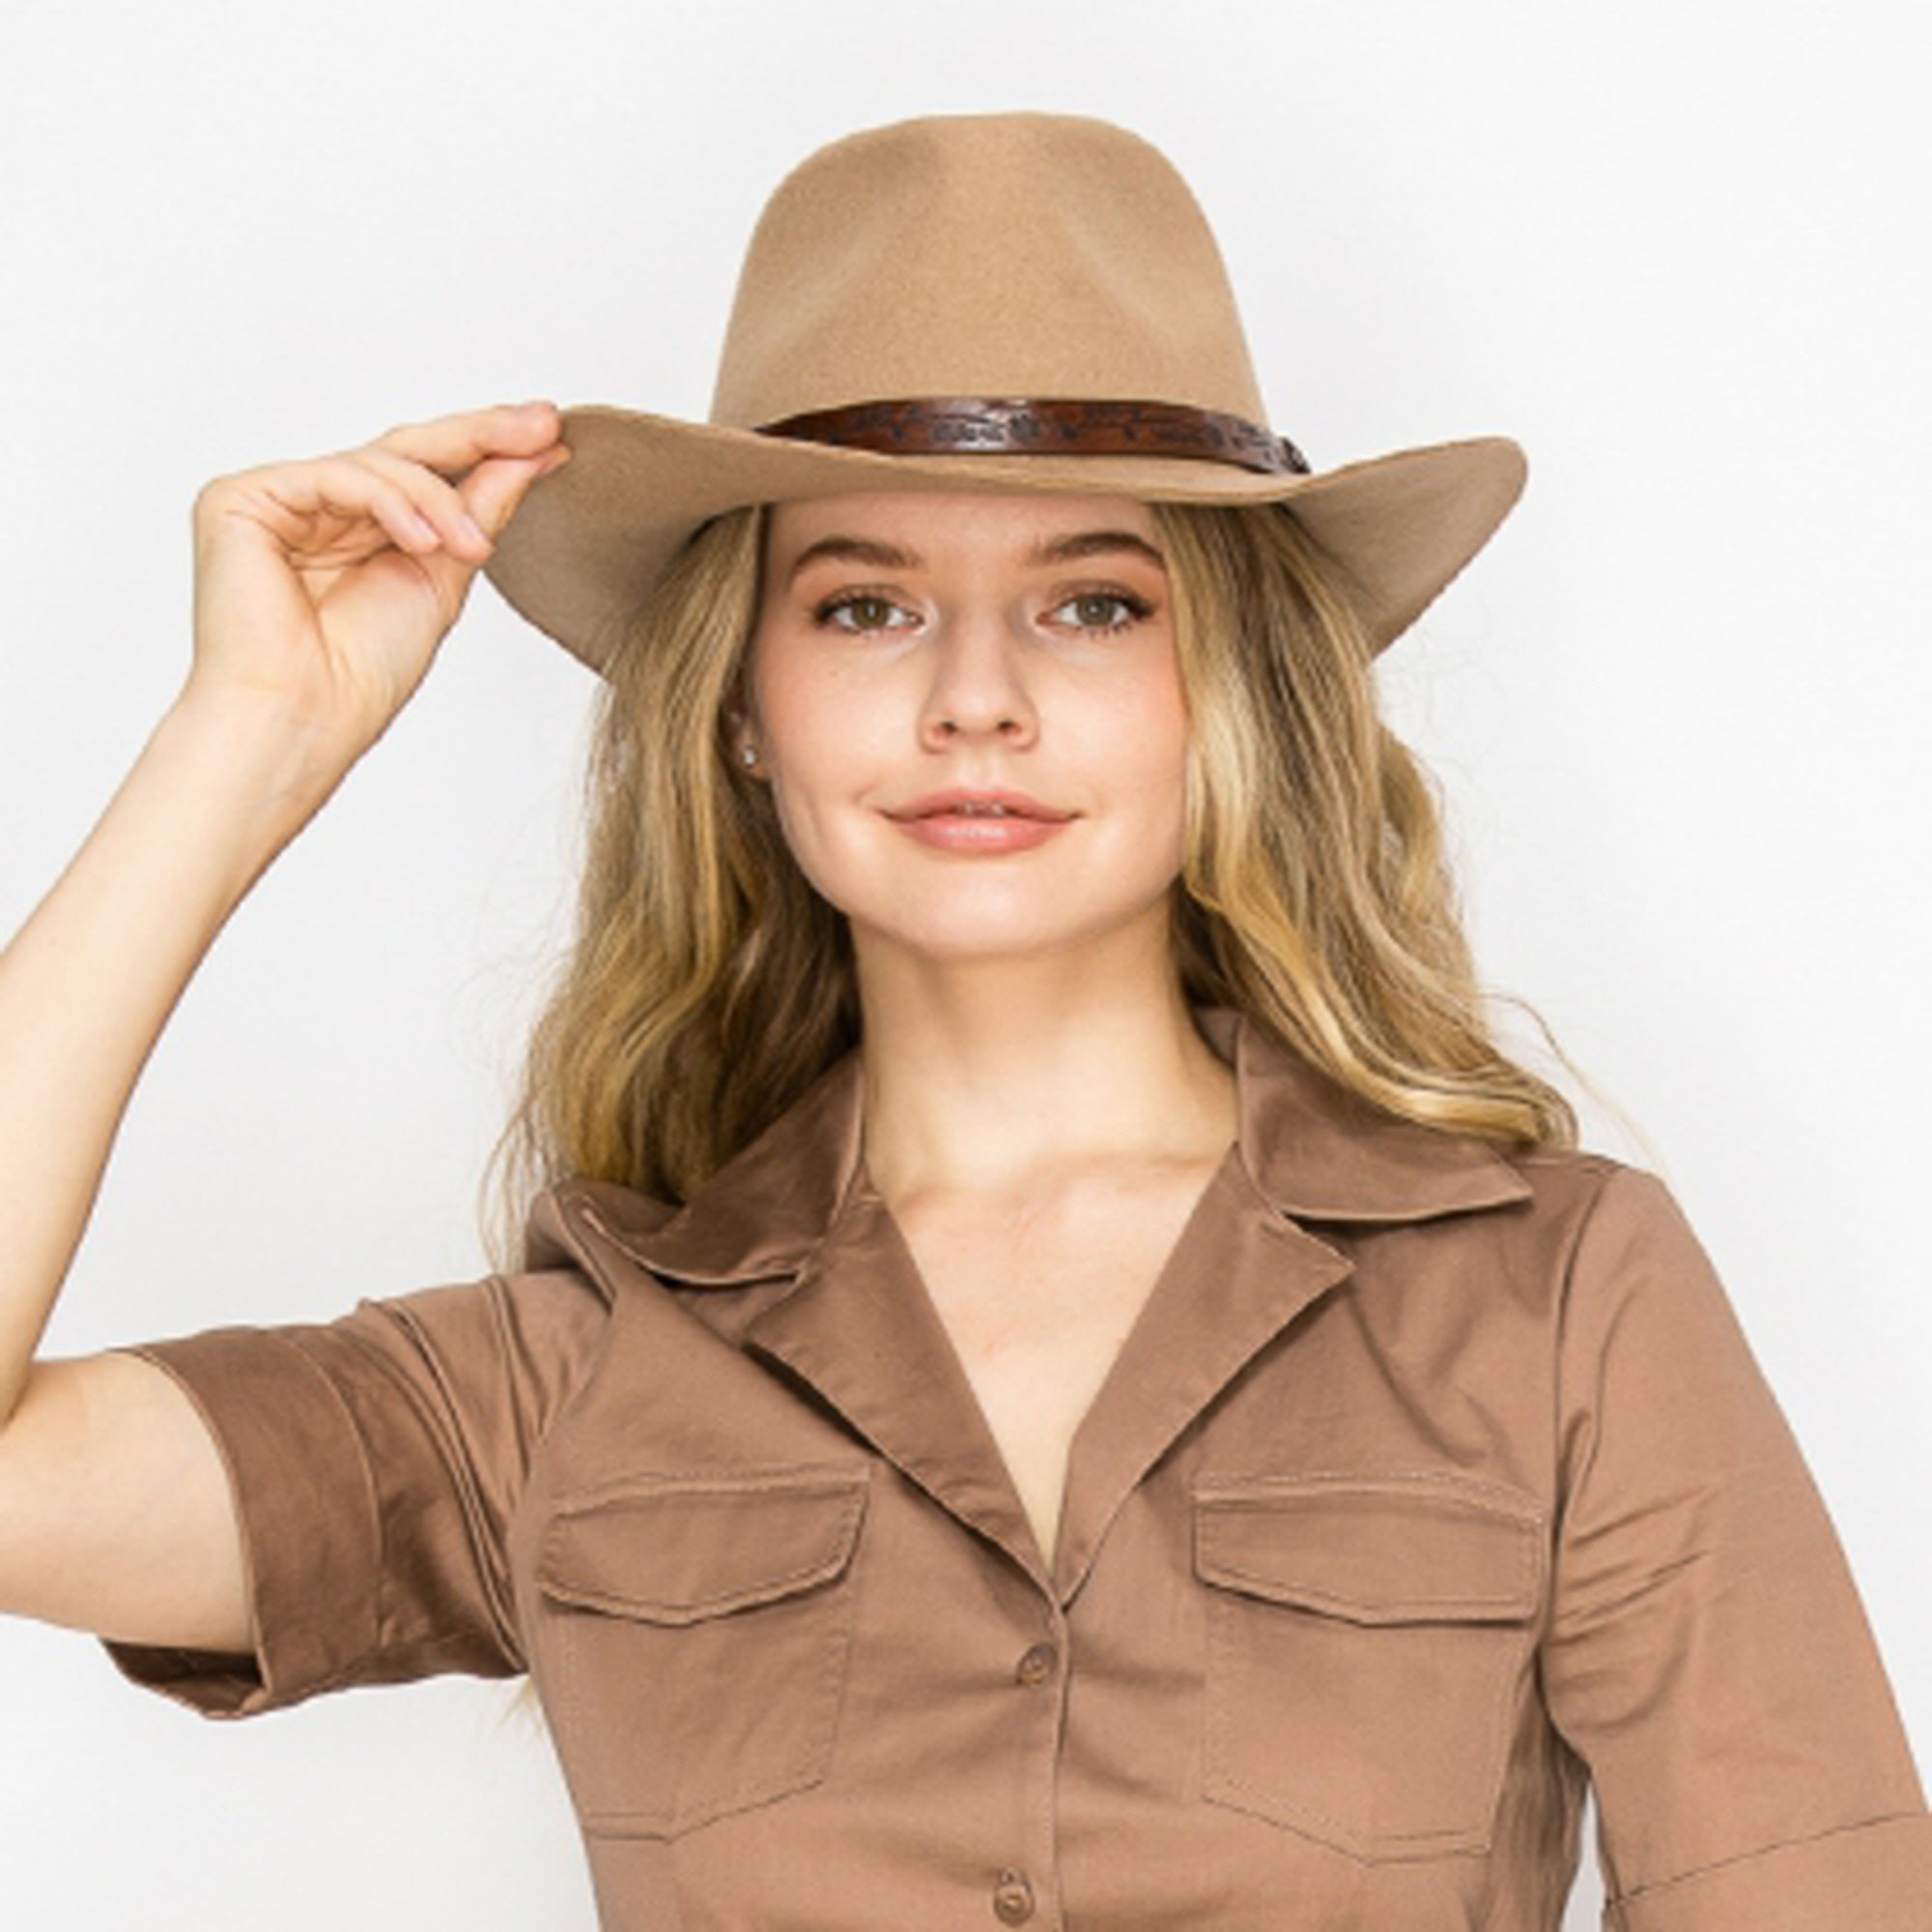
(975, 832)
(1016, 803)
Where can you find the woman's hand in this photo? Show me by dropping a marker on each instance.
(322, 587)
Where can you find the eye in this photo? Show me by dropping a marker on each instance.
(860, 603)
(1137, 608)
(868, 610)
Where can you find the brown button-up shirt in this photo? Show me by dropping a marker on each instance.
(1429, 1486)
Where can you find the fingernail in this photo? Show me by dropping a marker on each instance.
(471, 528)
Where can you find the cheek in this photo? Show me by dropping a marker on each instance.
(833, 736)
(815, 716)
(1138, 756)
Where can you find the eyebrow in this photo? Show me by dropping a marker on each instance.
(1051, 549)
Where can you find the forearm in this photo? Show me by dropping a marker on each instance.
(90, 980)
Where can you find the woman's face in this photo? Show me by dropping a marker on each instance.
(909, 643)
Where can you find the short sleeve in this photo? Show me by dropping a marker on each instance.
(375, 1461)
(1707, 1654)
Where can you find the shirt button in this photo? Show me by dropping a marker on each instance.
(1036, 1664)
(1012, 1898)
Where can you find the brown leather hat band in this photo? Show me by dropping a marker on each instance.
(1056, 426)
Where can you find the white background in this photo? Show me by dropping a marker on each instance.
(1679, 705)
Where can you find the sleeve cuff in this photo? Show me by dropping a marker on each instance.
(311, 1539)
(1876, 1876)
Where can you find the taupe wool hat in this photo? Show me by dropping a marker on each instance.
(1009, 301)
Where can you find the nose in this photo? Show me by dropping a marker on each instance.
(977, 687)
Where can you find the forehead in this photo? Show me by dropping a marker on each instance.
(932, 520)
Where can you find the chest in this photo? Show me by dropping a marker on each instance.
(1036, 1298)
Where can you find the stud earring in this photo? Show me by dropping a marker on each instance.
(751, 755)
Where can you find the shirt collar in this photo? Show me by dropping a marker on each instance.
(1315, 1150)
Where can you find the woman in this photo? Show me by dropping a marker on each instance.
(1054, 1370)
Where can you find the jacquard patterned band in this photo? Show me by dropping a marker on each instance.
(1032, 425)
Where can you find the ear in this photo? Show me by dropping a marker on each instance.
(741, 735)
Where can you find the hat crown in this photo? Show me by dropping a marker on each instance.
(1021, 254)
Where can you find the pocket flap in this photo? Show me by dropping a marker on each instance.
(1376, 1549)
(675, 1548)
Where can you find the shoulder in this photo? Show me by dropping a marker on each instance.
(1576, 1184)
(1620, 1247)
(1584, 1216)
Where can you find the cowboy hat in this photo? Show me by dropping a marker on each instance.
(1007, 302)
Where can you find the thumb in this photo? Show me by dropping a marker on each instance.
(493, 490)
(491, 493)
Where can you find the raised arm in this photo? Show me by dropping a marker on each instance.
(321, 590)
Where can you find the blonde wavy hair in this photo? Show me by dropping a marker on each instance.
(708, 983)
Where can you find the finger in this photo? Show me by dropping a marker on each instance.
(456, 442)
(493, 488)
(435, 497)
(341, 487)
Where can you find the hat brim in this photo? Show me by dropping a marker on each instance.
(587, 543)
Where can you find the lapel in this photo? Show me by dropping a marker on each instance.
(858, 1324)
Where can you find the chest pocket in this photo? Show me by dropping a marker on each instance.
(1367, 1638)
(698, 1629)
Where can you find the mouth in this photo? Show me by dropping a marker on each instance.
(994, 806)
(984, 833)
